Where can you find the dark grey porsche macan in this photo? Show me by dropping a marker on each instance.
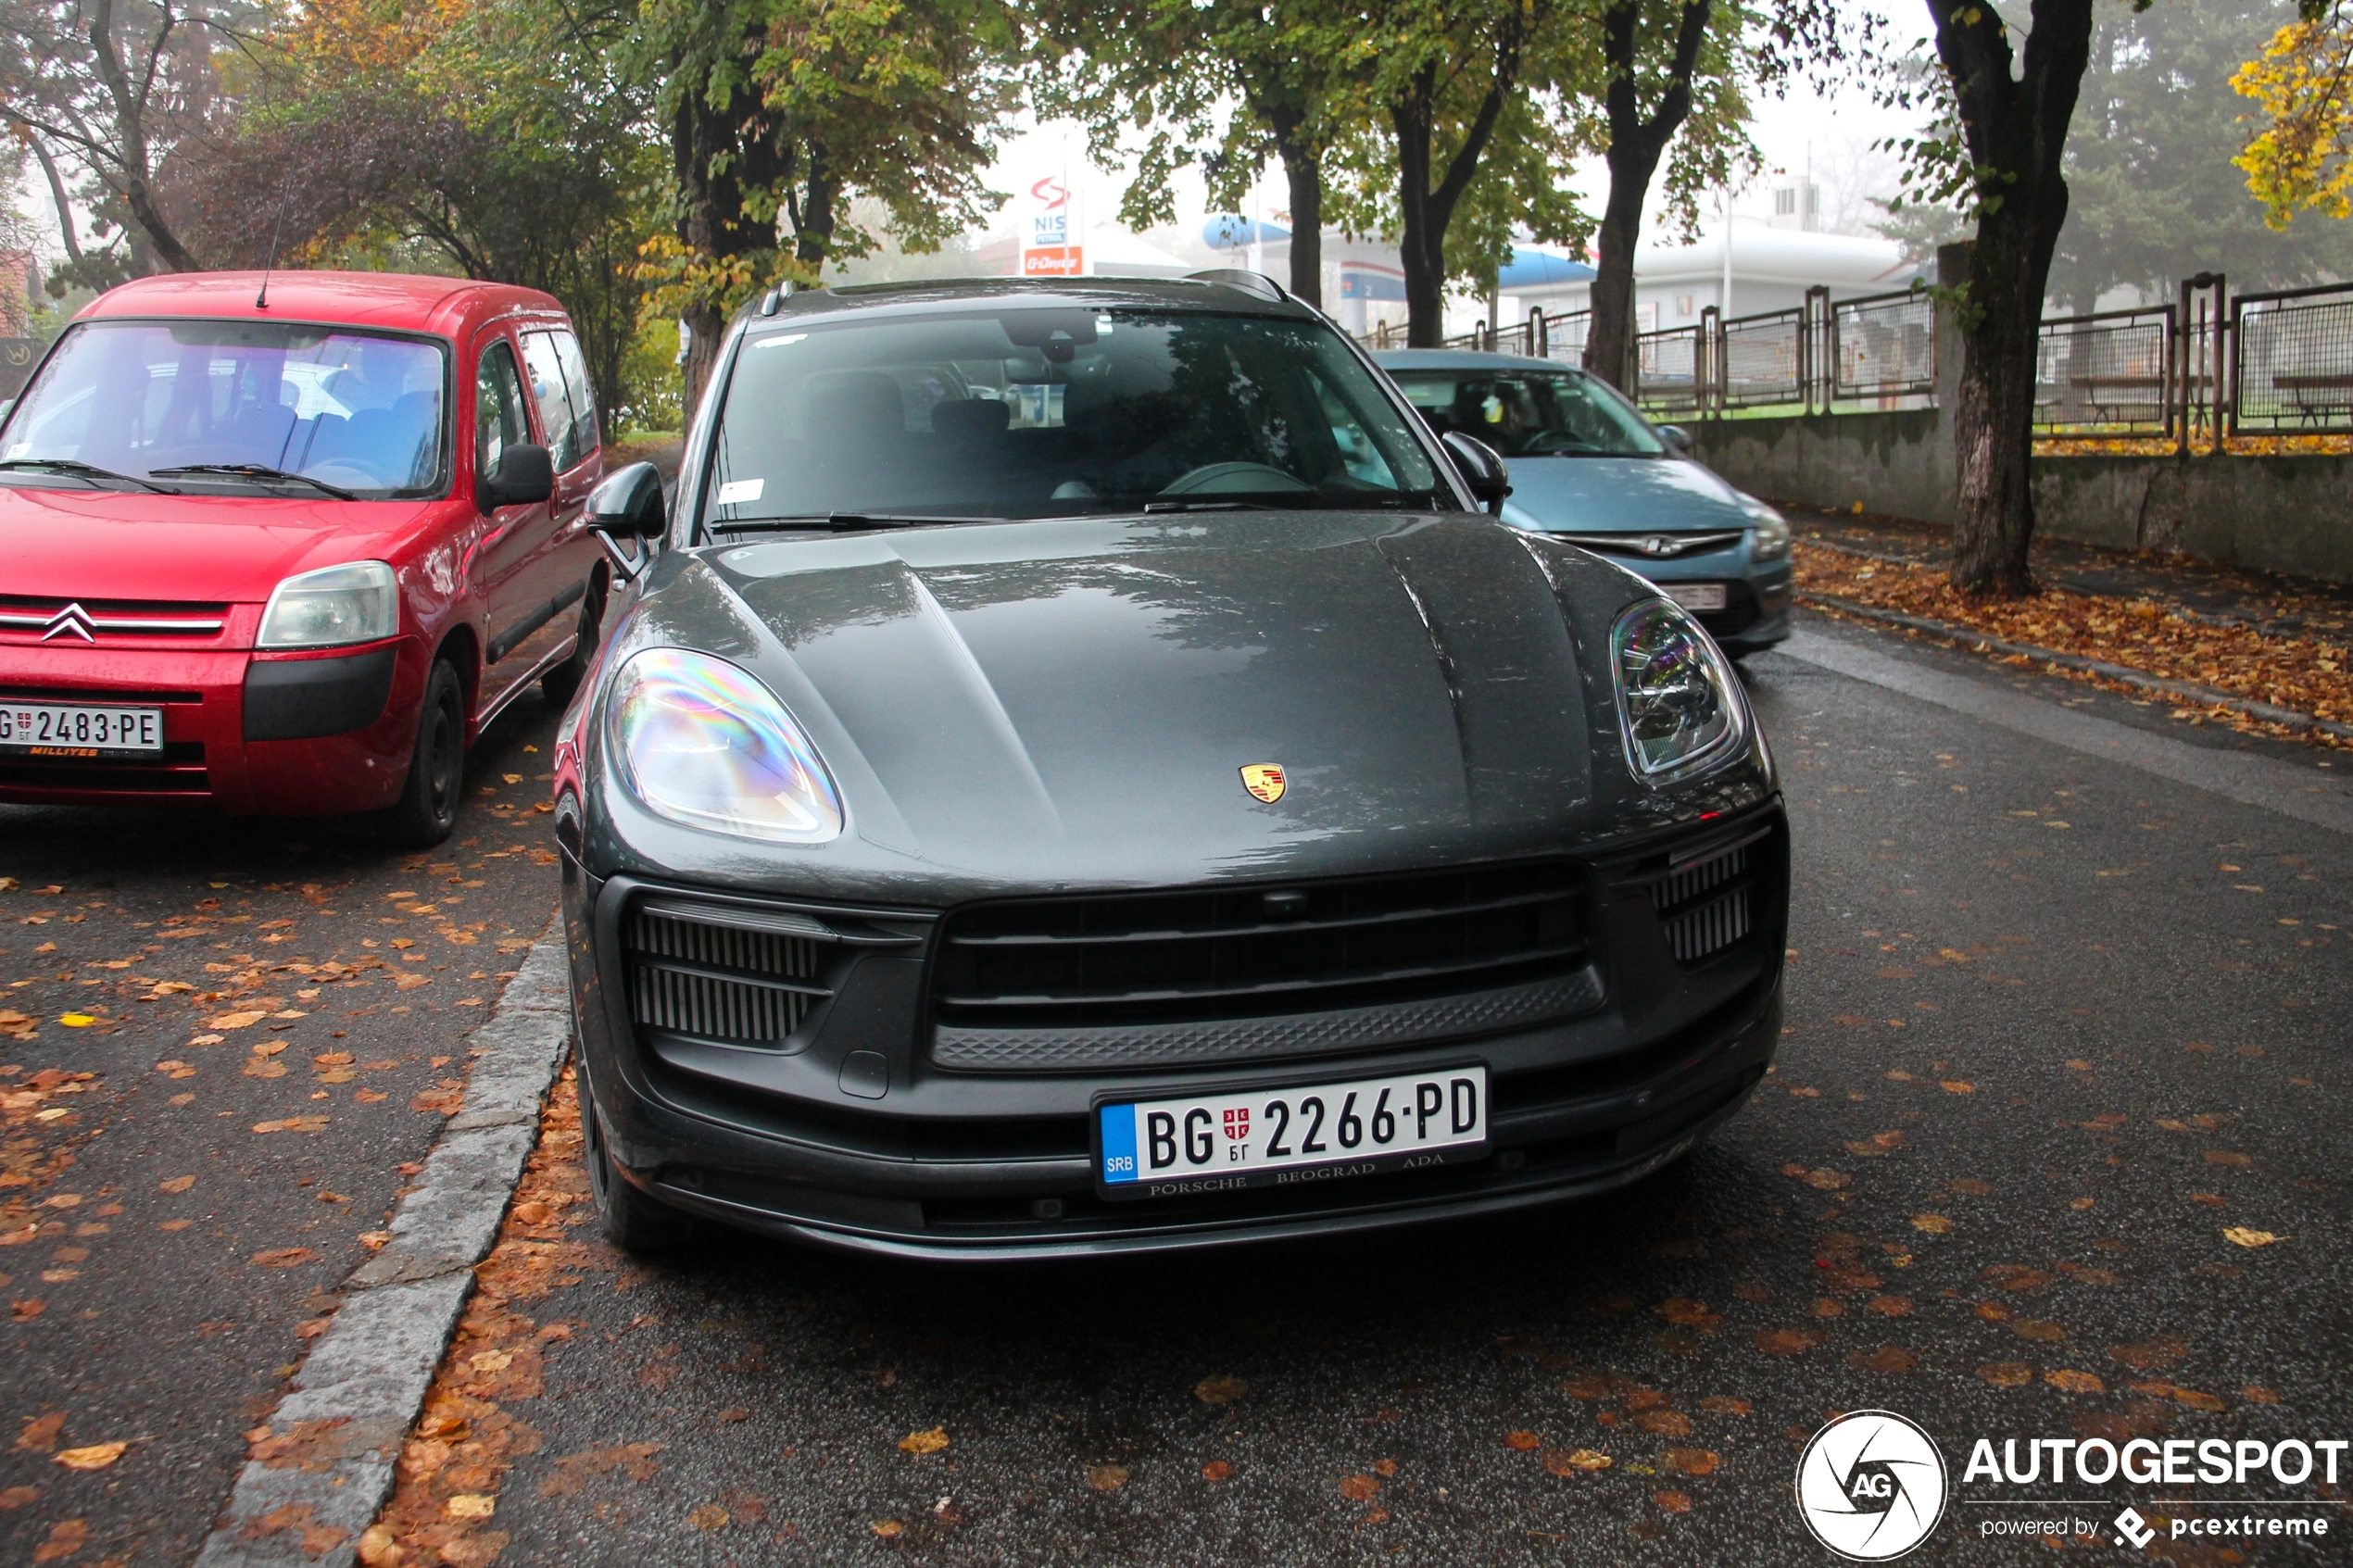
(1079, 770)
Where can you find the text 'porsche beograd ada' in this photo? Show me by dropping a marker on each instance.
(1077, 769)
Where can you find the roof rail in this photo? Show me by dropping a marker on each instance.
(1240, 278)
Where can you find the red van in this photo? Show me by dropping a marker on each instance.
(288, 551)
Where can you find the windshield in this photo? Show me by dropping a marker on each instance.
(1057, 412)
(357, 410)
(1531, 413)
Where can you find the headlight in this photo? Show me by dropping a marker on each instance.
(1772, 530)
(701, 742)
(1678, 704)
(338, 604)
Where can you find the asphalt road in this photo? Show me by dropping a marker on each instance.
(160, 1252)
(2055, 1025)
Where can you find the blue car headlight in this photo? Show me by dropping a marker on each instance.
(699, 740)
(1680, 706)
(1771, 540)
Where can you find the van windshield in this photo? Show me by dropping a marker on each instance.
(1028, 412)
(361, 411)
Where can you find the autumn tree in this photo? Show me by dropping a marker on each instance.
(1677, 82)
(780, 111)
(2153, 195)
(114, 86)
(2300, 159)
(1289, 72)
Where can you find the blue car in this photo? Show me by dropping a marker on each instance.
(1586, 466)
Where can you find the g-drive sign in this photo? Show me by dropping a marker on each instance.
(1291, 1135)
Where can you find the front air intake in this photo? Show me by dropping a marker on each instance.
(1704, 906)
(738, 976)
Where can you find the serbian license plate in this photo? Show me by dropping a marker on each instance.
(1211, 1142)
(1701, 596)
(50, 728)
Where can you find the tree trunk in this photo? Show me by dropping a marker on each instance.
(813, 216)
(1423, 211)
(1636, 143)
(717, 153)
(56, 194)
(2015, 123)
(1421, 252)
(1994, 419)
(1609, 336)
(1304, 171)
(131, 131)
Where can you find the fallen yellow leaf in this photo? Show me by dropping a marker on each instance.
(927, 1442)
(1220, 1389)
(76, 1019)
(98, 1456)
(471, 1505)
(2240, 1235)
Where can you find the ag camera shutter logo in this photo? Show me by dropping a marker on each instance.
(1871, 1486)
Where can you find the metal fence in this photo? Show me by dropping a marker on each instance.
(2194, 374)
(1764, 361)
(2292, 367)
(2107, 376)
(1671, 370)
(1882, 345)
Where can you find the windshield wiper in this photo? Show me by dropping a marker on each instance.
(80, 470)
(1205, 506)
(256, 472)
(844, 521)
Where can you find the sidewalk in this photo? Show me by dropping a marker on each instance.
(2251, 637)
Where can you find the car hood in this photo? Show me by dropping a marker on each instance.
(219, 549)
(1619, 495)
(1072, 700)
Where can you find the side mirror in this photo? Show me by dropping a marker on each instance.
(525, 474)
(1481, 468)
(628, 503)
(1676, 437)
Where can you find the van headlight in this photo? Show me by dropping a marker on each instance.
(701, 742)
(1772, 539)
(1680, 706)
(359, 602)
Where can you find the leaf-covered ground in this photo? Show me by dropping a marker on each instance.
(2289, 650)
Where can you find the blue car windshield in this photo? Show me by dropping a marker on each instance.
(1027, 412)
(1531, 413)
(361, 411)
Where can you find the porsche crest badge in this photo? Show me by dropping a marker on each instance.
(1263, 780)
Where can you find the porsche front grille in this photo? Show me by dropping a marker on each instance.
(1321, 947)
(744, 977)
(1705, 906)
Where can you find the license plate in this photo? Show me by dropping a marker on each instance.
(1695, 595)
(53, 728)
(1211, 1142)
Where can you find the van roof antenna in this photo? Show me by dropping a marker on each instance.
(261, 300)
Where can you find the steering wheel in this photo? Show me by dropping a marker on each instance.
(1234, 478)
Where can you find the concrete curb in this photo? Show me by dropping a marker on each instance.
(2180, 691)
(361, 1388)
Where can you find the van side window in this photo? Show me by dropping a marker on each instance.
(498, 415)
(556, 414)
(584, 397)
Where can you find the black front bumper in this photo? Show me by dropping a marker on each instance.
(853, 1137)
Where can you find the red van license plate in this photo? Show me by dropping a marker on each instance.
(70, 730)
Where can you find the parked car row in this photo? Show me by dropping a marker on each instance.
(1078, 765)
